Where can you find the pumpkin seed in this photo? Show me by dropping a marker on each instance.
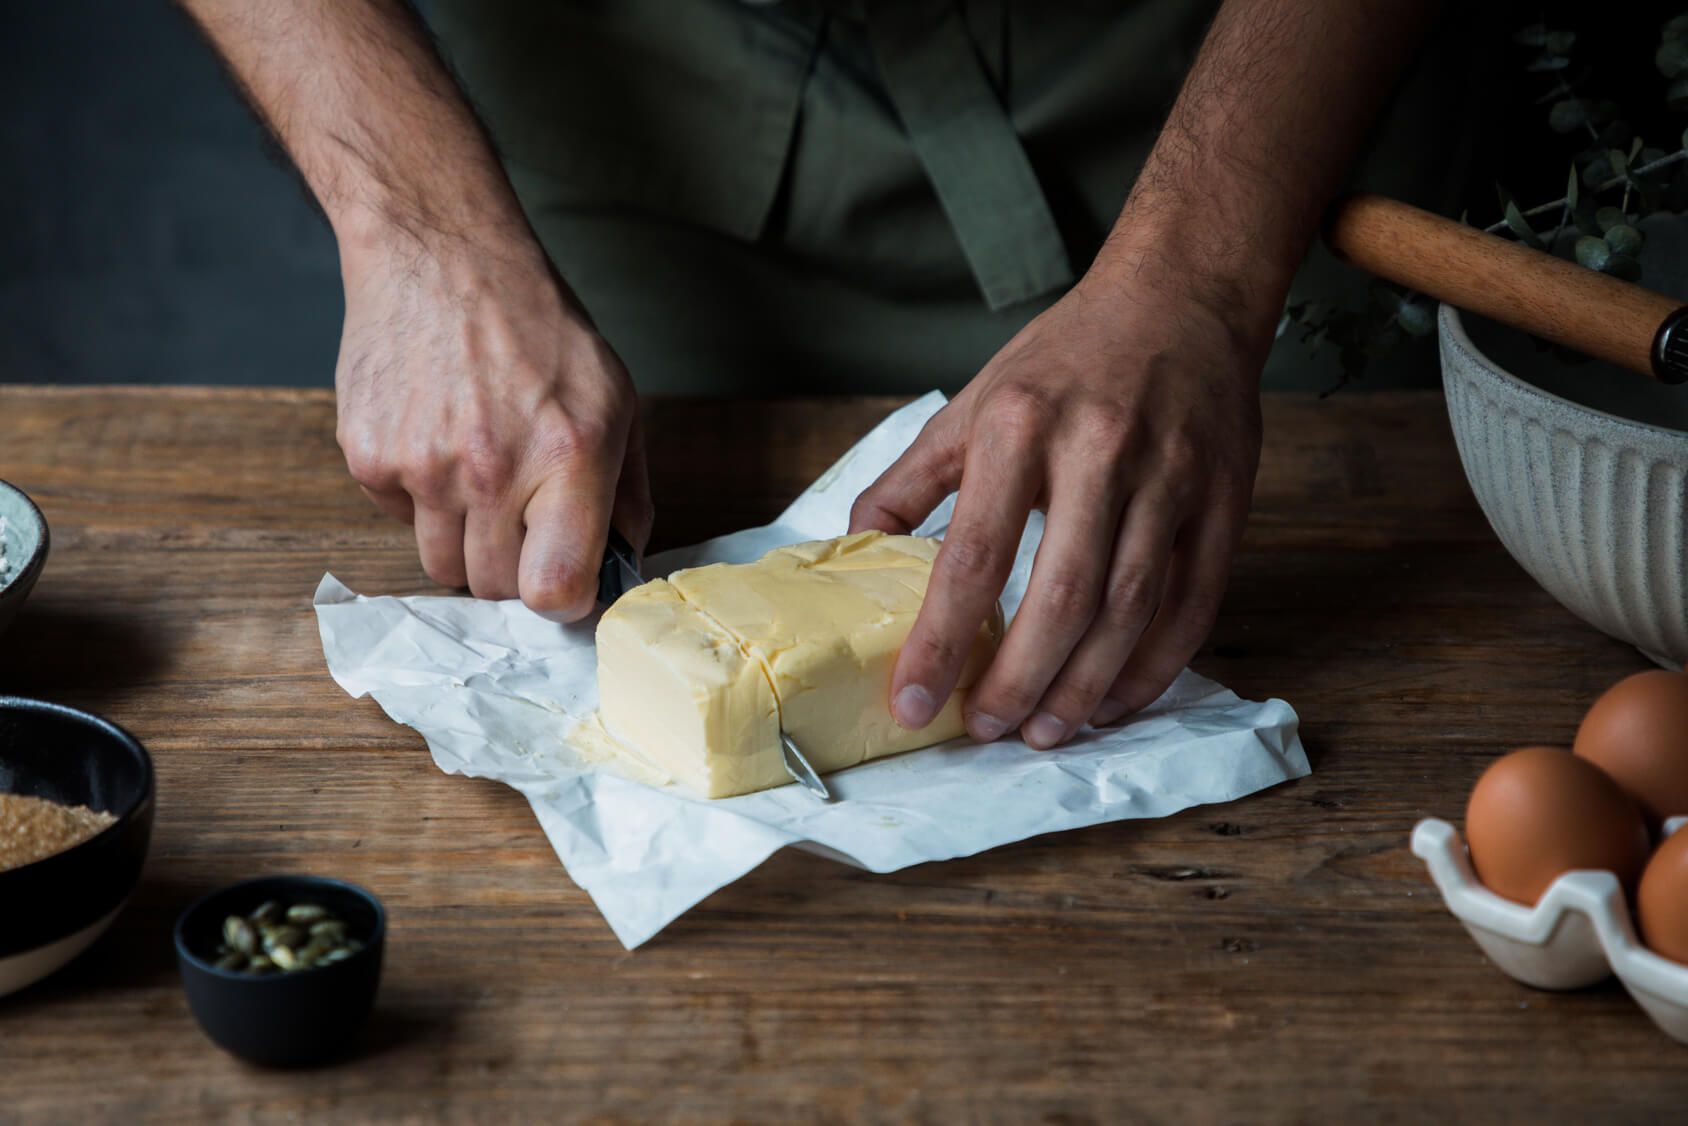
(332, 930)
(237, 932)
(274, 938)
(283, 935)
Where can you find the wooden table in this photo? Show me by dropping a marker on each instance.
(1280, 958)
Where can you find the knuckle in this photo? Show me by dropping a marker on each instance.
(937, 650)
(425, 470)
(1009, 699)
(1234, 482)
(445, 574)
(1130, 600)
(1105, 428)
(364, 461)
(1076, 694)
(484, 465)
(970, 556)
(568, 437)
(555, 588)
(865, 511)
(1068, 596)
(1020, 409)
(1181, 460)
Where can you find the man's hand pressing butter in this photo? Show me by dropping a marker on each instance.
(1131, 417)
(1129, 411)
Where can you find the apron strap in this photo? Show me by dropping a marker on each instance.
(962, 135)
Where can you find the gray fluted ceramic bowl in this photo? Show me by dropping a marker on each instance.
(1582, 470)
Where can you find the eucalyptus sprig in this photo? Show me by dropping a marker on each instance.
(1615, 180)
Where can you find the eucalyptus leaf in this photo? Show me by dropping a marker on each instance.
(1571, 189)
(1609, 217)
(1415, 319)
(1535, 35)
(1624, 239)
(1596, 172)
(1568, 115)
(1634, 150)
(1559, 42)
(1583, 215)
(1520, 226)
(1615, 135)
(1674, 27)
(1623, 266)
(1651, 194)
(1548, 63)
(1593, 252)
(1386, 298)
(1672, 58)
(1618, 161)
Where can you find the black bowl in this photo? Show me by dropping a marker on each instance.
(292, 1019)
(53, 909)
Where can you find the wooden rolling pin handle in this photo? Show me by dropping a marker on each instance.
(1506, 281)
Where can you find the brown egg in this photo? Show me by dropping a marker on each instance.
(1638, 733)
(1540, 812)
(1662, 900)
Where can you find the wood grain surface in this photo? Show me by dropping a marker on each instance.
(1281, 958)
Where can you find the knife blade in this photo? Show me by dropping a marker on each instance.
(619, 574)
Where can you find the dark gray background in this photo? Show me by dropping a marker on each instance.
(148, 230)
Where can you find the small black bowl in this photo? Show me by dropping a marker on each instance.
(53, 909)
(292, 1019)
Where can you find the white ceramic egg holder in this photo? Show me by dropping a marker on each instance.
(1579, 932)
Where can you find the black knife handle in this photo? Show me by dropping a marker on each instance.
(619, 558)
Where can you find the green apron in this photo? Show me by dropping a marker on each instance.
(837, 197)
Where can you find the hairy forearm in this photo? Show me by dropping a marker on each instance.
(1262, 132)
(357, 95)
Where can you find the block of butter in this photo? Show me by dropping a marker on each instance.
(698, 672)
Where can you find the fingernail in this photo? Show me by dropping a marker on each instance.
(1109, 711)
(1044, 730)
(914, 707)
(986, 728)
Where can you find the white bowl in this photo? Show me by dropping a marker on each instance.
(23, 550)
(1582, 470)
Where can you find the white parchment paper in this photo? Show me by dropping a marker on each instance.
(495, 690)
